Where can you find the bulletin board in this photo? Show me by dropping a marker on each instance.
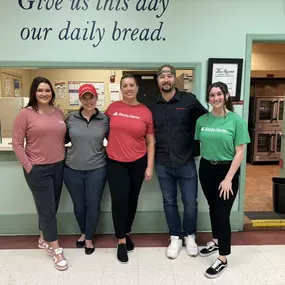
(73, 87)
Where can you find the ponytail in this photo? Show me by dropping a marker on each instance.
(229, 104)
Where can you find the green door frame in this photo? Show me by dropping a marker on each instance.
(250, 39)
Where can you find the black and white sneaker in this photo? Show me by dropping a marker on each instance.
(209, 249)
(216, 269)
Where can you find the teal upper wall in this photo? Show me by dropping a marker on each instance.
(194, 30)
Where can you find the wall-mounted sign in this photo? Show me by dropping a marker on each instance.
(228, 71)
(85, 30)
(89, 29)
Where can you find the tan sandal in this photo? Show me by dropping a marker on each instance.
(44, 245)
(59, 260)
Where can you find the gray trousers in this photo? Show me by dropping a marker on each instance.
(86, 189)
(45, 182)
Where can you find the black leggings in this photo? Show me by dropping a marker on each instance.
(210, 178)
(125, 180)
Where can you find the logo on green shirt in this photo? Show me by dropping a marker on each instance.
(214, 130)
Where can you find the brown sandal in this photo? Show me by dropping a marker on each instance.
(59, 260)
(45, 245)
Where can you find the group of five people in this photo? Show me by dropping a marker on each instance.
(166, 136)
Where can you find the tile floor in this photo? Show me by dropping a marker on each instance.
(258, 192)
(248, 264)
(148, 266)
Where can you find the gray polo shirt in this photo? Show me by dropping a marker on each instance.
(87, 151)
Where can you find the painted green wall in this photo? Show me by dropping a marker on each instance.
(18, 213)
(193, 31)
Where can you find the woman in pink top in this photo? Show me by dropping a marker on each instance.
(39, 143)
(130, 153)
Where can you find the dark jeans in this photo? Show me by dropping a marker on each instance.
(45, 182)
(86, 189)
(125, 181)
(210, 178)
(186, 177)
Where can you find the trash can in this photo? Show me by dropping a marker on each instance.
(278, 194)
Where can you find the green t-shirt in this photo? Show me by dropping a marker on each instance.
(220, 135)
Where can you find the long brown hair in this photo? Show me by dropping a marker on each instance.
(225, 91)
(33, 102)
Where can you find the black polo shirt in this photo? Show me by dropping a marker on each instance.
(174, 122)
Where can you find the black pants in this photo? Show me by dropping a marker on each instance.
(45, 182)
(210, 178)
(125, 180)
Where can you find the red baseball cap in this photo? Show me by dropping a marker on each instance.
(87, 88)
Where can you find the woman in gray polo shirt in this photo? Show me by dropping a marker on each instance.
(85, 164)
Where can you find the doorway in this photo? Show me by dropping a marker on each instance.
(148, 89)
(265, 82)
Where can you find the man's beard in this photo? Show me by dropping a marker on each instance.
(167, 89)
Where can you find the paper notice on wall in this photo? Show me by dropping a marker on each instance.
(115, 96)
(100, 105)
(8, 87)
(73, 87)
(100, 87)
(227, 73)
(60, 89)
(17, 88)
(114, 90)
(101, 97)
(70, 86)
(73, 99)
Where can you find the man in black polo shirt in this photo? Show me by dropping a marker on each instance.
(175, 114)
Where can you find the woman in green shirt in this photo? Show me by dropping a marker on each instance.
(223, 136)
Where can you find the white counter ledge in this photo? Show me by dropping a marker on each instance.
(6, 144)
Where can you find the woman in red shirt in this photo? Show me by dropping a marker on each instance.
(130, 153)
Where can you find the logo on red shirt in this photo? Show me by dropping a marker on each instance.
(126, 115)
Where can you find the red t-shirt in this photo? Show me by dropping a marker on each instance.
(129, 125)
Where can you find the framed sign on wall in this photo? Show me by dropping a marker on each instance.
(228, 71)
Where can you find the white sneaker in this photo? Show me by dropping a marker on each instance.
(174, 247)
(191, 246)
(59, 260)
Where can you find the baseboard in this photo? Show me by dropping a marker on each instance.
(145, 222)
